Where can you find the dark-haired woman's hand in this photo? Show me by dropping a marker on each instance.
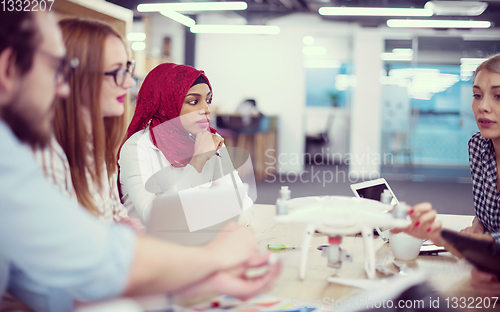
(205, 147)
(218, 141)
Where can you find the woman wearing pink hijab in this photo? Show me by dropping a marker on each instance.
(170, 133)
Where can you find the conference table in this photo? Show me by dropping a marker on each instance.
(445, 272)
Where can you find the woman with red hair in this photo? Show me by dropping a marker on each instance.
(89, 124)
(169, 138)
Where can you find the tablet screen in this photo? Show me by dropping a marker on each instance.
(374, 192)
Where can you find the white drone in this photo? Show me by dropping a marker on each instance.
(337, 216)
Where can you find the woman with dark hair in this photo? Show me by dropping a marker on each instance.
(170, 133)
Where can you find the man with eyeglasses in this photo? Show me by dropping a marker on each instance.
(52, 255)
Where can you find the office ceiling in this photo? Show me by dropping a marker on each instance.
(262, 10)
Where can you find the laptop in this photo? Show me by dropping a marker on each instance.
(193, 217)
(373, 190)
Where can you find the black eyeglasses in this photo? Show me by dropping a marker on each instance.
(64, 67)
(120, 74)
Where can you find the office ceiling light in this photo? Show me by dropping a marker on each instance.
(179, 18)
(193, 6)
(466, 75)
(322, 63)
(468, 67)
(481, 37)
(343, 82)
(136, 36)
(403, 51)
(308, 40)
(410, 23)
(410, 72)
(314, 50)
(465, 78)
(343, 11)
(388, 56)
(464, 8)
(388, 80)
(235, 29)
(422, 83)
(138, 46)
(472, 60)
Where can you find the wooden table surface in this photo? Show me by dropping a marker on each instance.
(448, 274)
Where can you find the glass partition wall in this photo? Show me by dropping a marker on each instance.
(427, 117)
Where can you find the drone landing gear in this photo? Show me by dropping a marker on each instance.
(337, 255)
(334, 253)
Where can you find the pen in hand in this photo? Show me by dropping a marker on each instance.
(192, 137)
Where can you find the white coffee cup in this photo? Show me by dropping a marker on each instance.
(404, 246)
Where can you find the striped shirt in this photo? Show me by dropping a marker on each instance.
(56, 168)
(483, 170)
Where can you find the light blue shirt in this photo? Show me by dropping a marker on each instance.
(52, 254)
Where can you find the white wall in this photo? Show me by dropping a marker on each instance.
(365, 114)
(270, 69)
(267, 68)
(162, 27)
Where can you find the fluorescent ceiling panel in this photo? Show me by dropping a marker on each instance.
(138, 46)
(136, 36)
(193, 6)
(179, 18)
(314, 50)
(411, 23)
(235, 29)
(482, 37)
(396, 56)
(322, 63)
(343, 11)
(457, 8)
(471, 60)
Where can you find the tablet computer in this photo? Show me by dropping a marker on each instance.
(484, 255)
(373, 189)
